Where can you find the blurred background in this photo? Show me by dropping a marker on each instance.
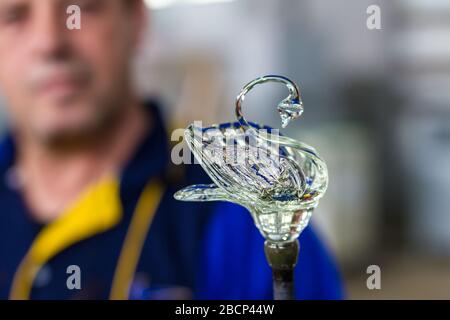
(377, 108)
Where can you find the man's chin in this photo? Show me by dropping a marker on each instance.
(76, 124)
(67, 136)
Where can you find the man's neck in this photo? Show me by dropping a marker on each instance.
(53, 180)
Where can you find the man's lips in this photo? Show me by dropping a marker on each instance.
(60, 86)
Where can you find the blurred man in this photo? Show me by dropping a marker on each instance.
(86, 187)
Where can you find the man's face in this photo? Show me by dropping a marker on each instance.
(60, 82)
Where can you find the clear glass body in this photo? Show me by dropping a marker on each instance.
(278, 179)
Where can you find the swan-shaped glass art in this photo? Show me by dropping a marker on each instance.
(278, 179)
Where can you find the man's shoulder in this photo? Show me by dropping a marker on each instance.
(234, 252)
(236, 224)
(7, 152)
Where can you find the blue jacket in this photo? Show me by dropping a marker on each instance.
(127, 238)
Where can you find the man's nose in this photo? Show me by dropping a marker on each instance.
(49, 33)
